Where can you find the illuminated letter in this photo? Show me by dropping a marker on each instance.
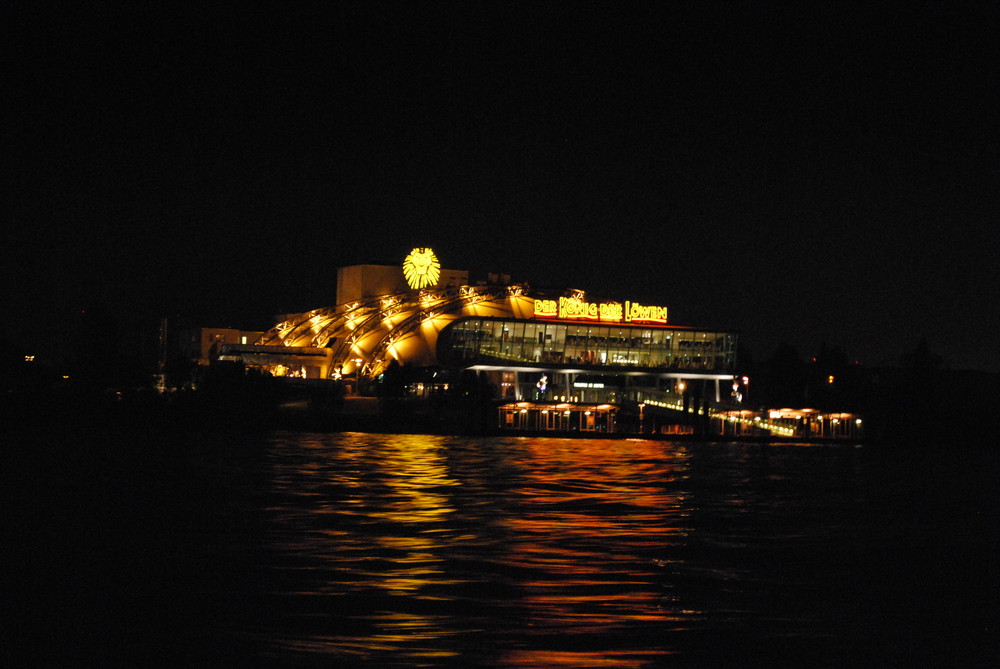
(572, 308)
(641, 314)
(611, 311)
(546, 308)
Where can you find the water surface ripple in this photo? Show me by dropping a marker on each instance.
(191, 548)
(402, 550)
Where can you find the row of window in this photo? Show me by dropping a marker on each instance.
(498, 340)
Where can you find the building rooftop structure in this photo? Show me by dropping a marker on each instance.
(528, 344)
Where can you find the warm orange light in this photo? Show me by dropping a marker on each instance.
(577, 308)
(573, 308)
(611, 311)
(639, 313)
(547, 308)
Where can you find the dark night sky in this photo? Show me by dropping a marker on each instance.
(795, 171)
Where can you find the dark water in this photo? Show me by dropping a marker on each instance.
(399, 550)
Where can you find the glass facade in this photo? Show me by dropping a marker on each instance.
(500, 341)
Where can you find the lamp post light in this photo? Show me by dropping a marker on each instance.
(642, 418)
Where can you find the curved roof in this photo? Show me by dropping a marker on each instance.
(365, 335)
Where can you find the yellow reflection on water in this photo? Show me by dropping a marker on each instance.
(414, 465)
(414, 469)
(395, 501)
(563, 540)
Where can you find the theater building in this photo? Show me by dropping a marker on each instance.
(558, 347)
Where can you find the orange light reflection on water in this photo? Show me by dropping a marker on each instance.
(526, 659)
(563, 539)
(588, 508)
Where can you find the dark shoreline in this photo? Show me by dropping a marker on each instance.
(95, 413)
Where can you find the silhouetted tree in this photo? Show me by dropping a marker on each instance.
(392, 382)
(910, 407)
(783, 379)
(921, 359)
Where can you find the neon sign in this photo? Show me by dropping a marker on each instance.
(421, 268)
(546, 308)
(611, 311)
(571, 308)
(639, 313)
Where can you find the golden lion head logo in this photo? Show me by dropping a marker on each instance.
(421, 268)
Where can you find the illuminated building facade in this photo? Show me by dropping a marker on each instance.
(556, 346)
